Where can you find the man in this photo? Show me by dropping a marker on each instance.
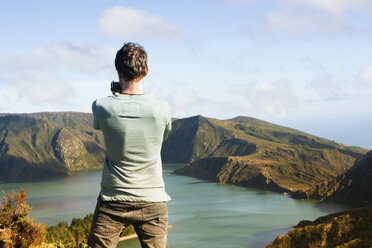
(132, 187)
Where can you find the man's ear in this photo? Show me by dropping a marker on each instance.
(147, 71)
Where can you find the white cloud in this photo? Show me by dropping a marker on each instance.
(135, 24)
(327, 89)
(272, 98)
(299, 19)
(8, 97)
(365, 77)
(312, 64)
(333, 6)
(48, 75)
(185, 102)
(299, 24)
(241, 1)
(75, 56)
(41, 87)
(256, 99)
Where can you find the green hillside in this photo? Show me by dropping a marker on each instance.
(244, 150)
(45, 145)
(255, 153)
(353, 186)
(349, 229)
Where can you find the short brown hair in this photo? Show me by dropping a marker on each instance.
(131, 61)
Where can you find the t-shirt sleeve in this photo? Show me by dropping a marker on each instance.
(169, 119)
(95, 118)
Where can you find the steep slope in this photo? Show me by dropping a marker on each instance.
(258, 153)
(345, 229)
(44, 145)
(353, 186)
(199, 137)
(290, 159)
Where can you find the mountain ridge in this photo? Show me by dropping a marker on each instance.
(57, 143)
(297, 160)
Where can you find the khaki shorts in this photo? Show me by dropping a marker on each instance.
(150, 221)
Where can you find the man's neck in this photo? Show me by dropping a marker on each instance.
(131, 88)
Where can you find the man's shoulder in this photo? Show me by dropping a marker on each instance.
(101, 105)
(103, 100)
(162, 109)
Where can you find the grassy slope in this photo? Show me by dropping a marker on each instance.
(345, 229)
(289, 158)
(353, 186)
(43, 145)
(51, 144)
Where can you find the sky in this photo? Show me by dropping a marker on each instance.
(305, 64)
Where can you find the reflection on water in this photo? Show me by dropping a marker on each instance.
(202, 213)
(332, 207)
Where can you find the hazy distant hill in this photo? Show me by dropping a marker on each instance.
(353, 186)
(349, 229)
(250, 152)
(44, 145)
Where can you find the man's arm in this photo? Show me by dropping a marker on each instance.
(95, 120)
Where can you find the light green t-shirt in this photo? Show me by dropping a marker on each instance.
(133, 129)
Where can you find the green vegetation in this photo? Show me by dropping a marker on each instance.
(16, 228)
(347, 229)
(45, 145)
(73, 235)
(76, 233)
(255, 153)
(258, 153)
(353, 186)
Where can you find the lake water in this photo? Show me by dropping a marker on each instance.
(203, 214)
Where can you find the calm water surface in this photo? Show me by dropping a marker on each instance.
(203, 214)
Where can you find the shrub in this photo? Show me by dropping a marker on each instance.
(16, 228)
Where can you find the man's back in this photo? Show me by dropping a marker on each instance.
(133, 128)
(132, 187)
